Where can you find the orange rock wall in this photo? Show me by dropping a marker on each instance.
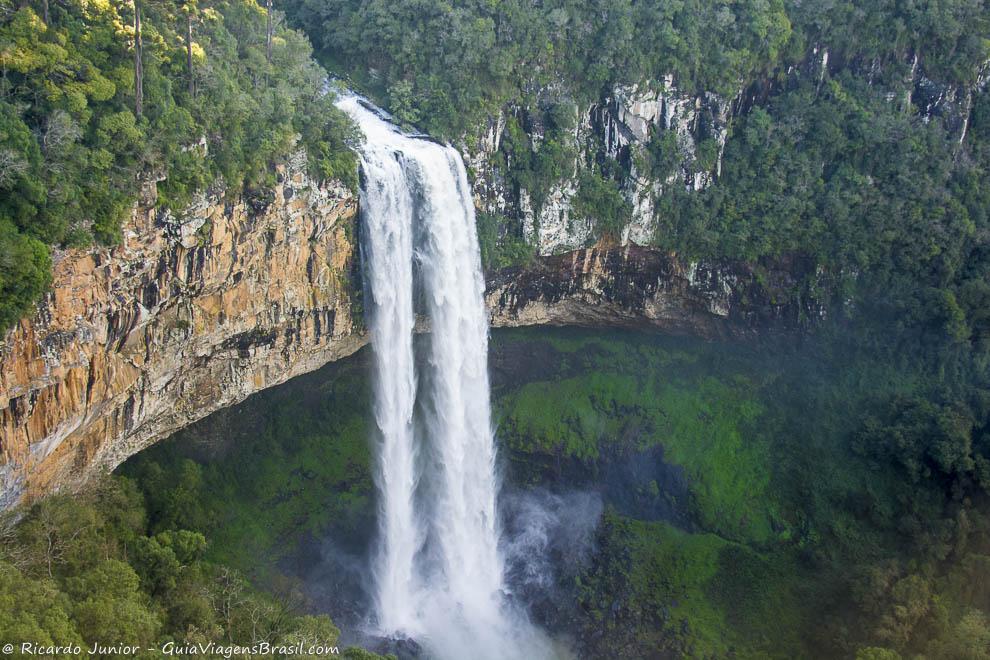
(187, 315)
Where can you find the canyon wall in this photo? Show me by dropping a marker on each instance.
(196, 311)
(629, 125)
(189, 314)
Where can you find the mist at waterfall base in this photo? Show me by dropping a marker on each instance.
(548, 538)
(439, 571)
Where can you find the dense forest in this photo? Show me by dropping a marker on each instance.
(446, 66)
(95, 100)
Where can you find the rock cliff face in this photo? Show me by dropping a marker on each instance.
(634, 287)
(194, 313)
(625, 124)
(619, 127)
(187, 315)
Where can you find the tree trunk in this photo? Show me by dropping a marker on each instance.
(44, 11)
(189, 54)
(138, 66)
(268, 40)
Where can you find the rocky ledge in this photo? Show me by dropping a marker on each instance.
(189, 314)
(636, 287)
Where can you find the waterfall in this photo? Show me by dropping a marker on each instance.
(439, 575)
(388, 207)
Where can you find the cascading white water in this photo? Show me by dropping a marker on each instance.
(439, 574)
(388, 244)
(457, 417)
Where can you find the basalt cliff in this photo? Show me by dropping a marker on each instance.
(192, 312)
(629, 120)
(195, 311)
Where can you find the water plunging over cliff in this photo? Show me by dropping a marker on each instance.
(439, 574)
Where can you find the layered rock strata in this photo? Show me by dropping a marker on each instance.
(188, 314)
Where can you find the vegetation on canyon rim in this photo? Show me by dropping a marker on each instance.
(77, 138)
(828, 163)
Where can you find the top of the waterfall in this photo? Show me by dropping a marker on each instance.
(350, 102)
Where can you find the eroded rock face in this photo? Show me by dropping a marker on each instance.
(641, 288)
(618, 127)
(186, 316)
(194, 313)
(692, 125)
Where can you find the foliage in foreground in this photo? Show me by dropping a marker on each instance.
(87, 570)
